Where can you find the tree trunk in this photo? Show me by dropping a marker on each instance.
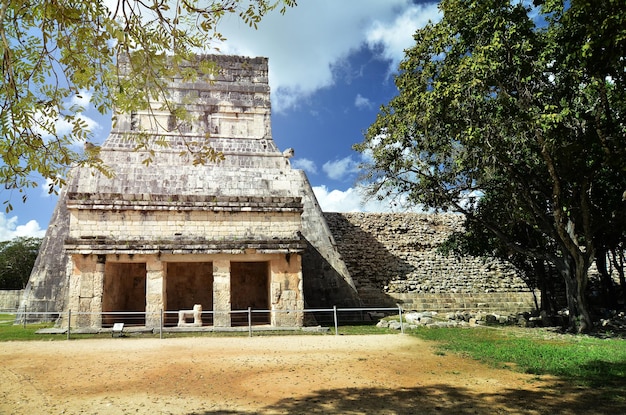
(608, 299)
(575, 275)
(618, 263)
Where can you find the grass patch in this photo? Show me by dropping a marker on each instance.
(9, 331)
(586, 361)
(6, 318)
(13, 332)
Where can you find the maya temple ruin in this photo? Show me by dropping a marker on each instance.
(245, 232)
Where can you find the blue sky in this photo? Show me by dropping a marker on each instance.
(331, 68)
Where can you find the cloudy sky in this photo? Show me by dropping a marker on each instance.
(331, 68)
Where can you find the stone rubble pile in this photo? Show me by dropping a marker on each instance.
(416, 319)
(614, 322)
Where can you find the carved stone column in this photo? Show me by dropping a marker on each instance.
(154, 291)
(221, 293)
(98, 288)
(86, 284)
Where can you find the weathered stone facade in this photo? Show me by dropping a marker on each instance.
(393, 258)
(10, 299)
(173, 233)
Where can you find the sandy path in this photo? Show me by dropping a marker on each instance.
(383, 374)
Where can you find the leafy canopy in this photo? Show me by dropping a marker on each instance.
(17, 258)
(514, 116)
(55, 51)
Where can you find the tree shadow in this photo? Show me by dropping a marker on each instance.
(444, 399)
(602, 374)
(323, 285)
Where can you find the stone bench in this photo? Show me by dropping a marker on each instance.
(196, 314)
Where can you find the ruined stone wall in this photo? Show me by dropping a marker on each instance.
(10, 299)
(393, 258)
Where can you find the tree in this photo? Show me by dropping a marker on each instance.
(476, 240)
(514, 116)
(17, 258)
(54, 51)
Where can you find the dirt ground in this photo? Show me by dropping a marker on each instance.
(382, 374)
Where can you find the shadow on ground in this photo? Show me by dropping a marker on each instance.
(443, 399)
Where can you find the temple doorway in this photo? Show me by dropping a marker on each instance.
(187, 284)
(124, 294)
(249, 287)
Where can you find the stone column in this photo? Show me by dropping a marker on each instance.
(98, 289)
(221, 293)
(286, 291)
(74, 292)
(86, 284)
(155, 291)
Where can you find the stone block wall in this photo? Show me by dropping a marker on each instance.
(393, 258)
(156, 225)
(232, 102)
(10, 299)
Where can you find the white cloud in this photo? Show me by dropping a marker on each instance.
(338, 169)
(9, 229)
(471, 199)
(362, 103)
(392, 39)
(45, 189)
(353, 200)
(62, 126)
(338, 200)
(65, 127)
(307, 165)
(83, 99)
(311, 39)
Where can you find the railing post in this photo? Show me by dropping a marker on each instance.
(161, 323)
(400, 313)
(69, 323)
(249, 321)
(335, 318)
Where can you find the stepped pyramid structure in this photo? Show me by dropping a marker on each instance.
(243, 232)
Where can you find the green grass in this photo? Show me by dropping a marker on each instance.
(586, 361)
(5, 317)
(9, 331)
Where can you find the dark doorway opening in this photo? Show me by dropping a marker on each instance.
(124, 294)
(249, 287)
(187, 284)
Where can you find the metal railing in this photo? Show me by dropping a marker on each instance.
(250, 320)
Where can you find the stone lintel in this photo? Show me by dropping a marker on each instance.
(146, 201)
(102, 246)
(117, 207)
(83, 196)
(181, 198)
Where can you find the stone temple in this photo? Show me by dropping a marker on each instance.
(173, 234)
